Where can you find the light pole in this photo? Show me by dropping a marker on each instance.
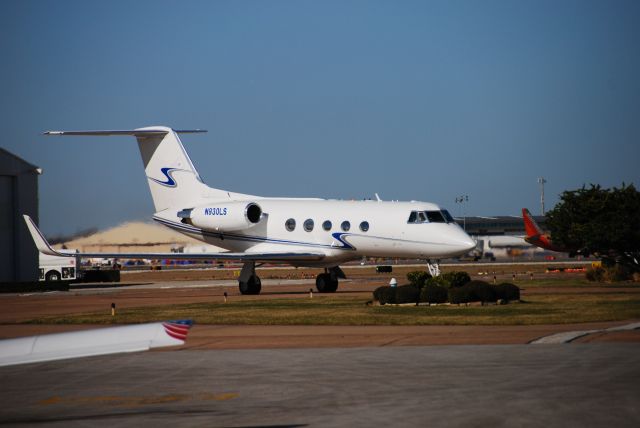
(541, 180)
(460, 200)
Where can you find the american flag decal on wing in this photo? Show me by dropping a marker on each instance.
(177, 329)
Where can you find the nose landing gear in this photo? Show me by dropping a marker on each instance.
(434, 268)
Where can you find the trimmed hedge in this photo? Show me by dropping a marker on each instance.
(407, 294)
(482, 291)
(457, 295)
(433, 294)
(377, 293)
(473, 291)
(437, 281)
(456, 278)
(449, 279)
(418, 278)
(385, 294)
(391, 295)
(507, 291)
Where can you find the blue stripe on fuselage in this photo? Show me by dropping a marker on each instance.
(236, 237)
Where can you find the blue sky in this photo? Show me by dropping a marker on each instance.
(338, 99)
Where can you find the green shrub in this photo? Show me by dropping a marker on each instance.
(433, 294)
(385, 294)
(437, 281)
(481, 291)
(617, 273)
(595, 274)
(459, 295)
(456, 278)
(418, 277)
(407, 294)
(377, 293)
(610, 272)
(507, 291)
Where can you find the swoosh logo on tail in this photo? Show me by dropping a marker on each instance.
(168, 173)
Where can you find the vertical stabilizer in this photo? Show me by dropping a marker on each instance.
(172, 178)
(530, 225)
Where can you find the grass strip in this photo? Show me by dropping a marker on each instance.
(349, 310)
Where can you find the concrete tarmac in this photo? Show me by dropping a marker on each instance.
(501, 386)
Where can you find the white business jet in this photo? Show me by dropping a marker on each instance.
(297, 231)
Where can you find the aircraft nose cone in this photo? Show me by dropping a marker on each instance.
(464, 243)
(469, 244)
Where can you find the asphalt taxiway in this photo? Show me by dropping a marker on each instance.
(509, 385)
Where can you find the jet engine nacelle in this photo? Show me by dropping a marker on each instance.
(223, 217)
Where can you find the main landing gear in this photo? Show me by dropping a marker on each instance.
(249, 282)
(327, 282)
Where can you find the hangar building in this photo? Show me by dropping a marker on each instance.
(18, 195)
(498, 225)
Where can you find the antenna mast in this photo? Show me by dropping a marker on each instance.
(541, 180)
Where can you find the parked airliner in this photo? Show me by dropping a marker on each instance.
(297, 231)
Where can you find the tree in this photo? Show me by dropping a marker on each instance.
(604, 222)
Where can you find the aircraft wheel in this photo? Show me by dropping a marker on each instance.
(252, 286)
(325, 284)
(53, 276)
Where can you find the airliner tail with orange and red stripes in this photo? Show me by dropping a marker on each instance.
(535, 235)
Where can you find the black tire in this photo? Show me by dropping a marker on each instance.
(53, 276)
(251, 287)
(325, 284)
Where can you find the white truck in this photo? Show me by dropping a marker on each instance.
(54, 268)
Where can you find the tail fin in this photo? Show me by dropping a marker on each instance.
(173, 180)
(530, 225)
(38, 238)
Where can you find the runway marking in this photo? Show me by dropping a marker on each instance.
(569, 336)
(136, 401)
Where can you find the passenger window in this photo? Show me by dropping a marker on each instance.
(364, 226)
(435, 217)
(412, 217)
(345, 226)
(327, 225)
(290, 224)
(308, 225)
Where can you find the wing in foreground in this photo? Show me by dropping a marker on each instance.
(101, 341)
(45, 248)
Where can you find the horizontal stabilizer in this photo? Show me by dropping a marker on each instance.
(100, 341)
(135, 132)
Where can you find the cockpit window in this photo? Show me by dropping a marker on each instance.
(417, 217)
(435, 217)
(448, 216)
